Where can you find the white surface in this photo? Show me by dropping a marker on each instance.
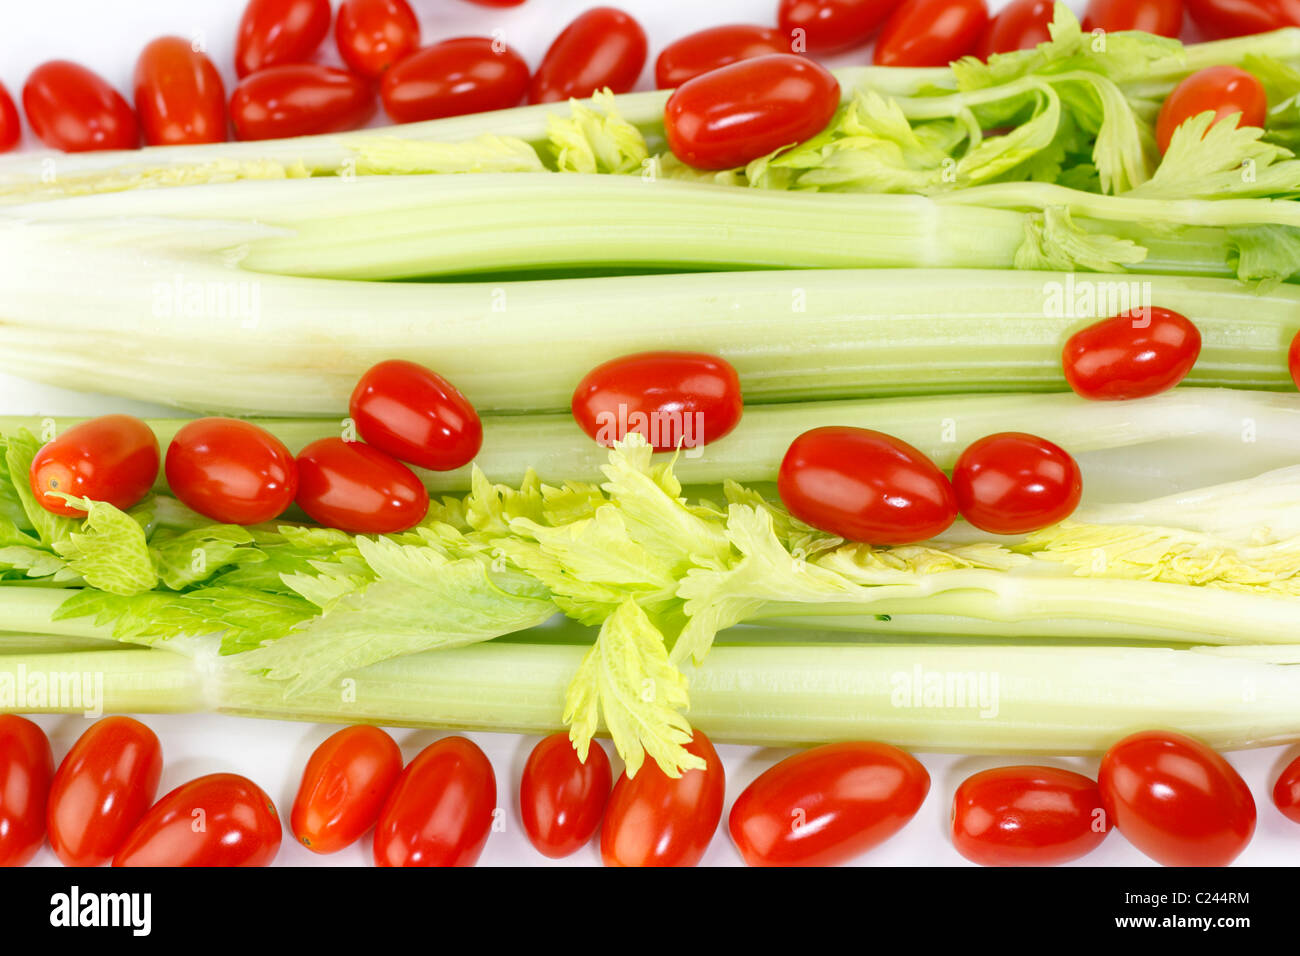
(107, 37)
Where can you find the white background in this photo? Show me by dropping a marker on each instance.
(107, 36)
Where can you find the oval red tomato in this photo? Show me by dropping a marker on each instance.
(1027, 816)
(105, 785)
(113, 458)
(416, 415)
(653, 819)
(1162, 17)
(11, 130)
(827, 805)
(72, 109)
(1286, 792)
(1176, 800)
(344, 786)
(231, 471)
(179, 95)
(1133, 355)
(1218, 19)
(358, 489)
(441, 812)
(832, 26)
(669, 398)
(931, 32)
(1225, 91)
(603, 47)
(221, 819)
(697, 53)
(1014, 483)
(1020, 25)
(276, 32)
(455, 77)
(561, 798)
(1293, 360)
(26, 769)
(865, 486)
(300, 100)
(372, 35)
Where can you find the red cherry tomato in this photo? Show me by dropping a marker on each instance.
(179, 95)
(931, 32)
(113, 458)
(865, 486)
(276, 32)
(1027, 816)
(11, 130)
(1293, 360)
(827, 805)
(103, 788)
(667, 397)
(603, 47)
(72, 109)
(231, 471)
(358, 489)
(26, 769)
(1225, 91)
(832, 26)
(1133, 355)
(416, 415)
(344, 786)
(300, 100)
(1176, 800)
(748, 109)
(374, 34)
(498, 3)
(1020, 25)
(1162, 17)
(709, 49)
(656, 820)
(1013, 483)
(440, 813)
(1218, 19)
(1286, 792)
(465, 75)
(562, 799)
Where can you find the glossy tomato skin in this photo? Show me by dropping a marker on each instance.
(1020, 25)
(300, 100)
(1218, 19)
(1027, 816)
(1132, 355)
(931, 32)
(1227, 91)
(221, 819)
(343, 788)
(416, 415)
(655, 820)
(179, 96)
(1286, 792)
(1014, 483)
(11, 129)
(603, 47)
(104, 786)
(1161, 17)
(112, 458)
(1176, 800)
(832, 26)
(72, 109)
(827, 805)
(865, 486)
(737, 113)
(26, 769)
(231, 471)
(1293, 360)
(358, 489)
(372, 35)
(441, 811)
(562, 799)
(667, 397)
(276, 32)
(455, 77)
(697, 53)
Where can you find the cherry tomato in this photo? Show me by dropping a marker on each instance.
(300, 100)
(11, 130)
(562, 799)
(603, 47)
(1176, 800)
(179, 95)
(832, 26)
(113, 458)
(1020, 25)
(358, 489)
(1225, 91)
(1218, 19)
(231, 471)
(1027, 816)
(344, 786)
(827, 805)
(276, 32)
(1162, 17)
(104, 786)
(1013, 483)
(374, 34)
(931, 32)
(1293, 360)
(1286, 792)
(709, 49)
(221, 819)
(441, 812)
(656, 820)
(26, 768)
(416, 415)
(498, 3)
(1138, 353)
(865, 486)
(465, 75)
(72, 109)
(668, 397)
(737, 113)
